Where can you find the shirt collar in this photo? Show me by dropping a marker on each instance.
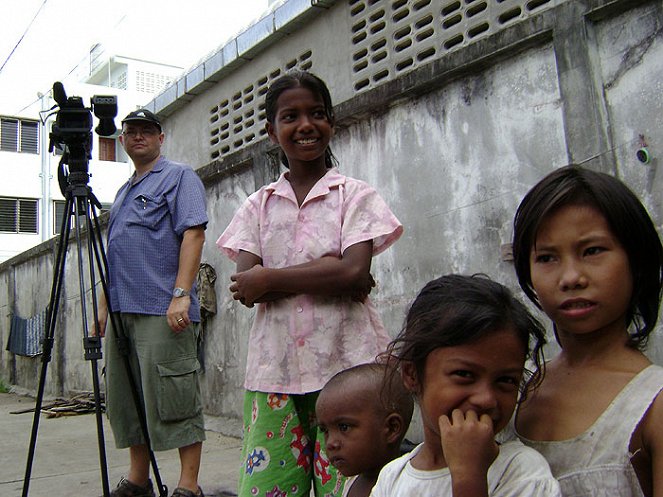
(156, 168)
(330, 180)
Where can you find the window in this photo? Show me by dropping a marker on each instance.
(96, 56)
(8, 135)
(19, 135)
(29, 137)
(18, 215)
(58, 211)
(149, 82)
(107, 149)
(120, 81)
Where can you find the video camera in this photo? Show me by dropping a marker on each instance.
(72, 130)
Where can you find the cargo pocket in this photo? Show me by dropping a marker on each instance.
(178, 397)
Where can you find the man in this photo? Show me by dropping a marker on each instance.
(155, 238)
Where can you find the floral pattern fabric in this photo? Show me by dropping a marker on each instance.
(283, 453)
(297, 343)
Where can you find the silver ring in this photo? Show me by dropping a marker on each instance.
(180, 320)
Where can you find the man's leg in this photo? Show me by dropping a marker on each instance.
(123, 418)
(190, 463)
(137, 482)
(171, 391)
(139, 465)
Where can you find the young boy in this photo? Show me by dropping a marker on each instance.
(363, 413)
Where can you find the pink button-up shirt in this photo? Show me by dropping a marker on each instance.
(297, 343)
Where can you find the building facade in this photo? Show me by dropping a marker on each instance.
(31, 198)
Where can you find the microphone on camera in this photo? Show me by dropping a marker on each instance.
(59, 95)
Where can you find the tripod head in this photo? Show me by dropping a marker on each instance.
(72, 132)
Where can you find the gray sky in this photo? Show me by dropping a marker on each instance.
(55, 35)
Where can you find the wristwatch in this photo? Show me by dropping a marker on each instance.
(180, 292)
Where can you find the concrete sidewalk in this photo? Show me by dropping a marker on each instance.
(66, 460)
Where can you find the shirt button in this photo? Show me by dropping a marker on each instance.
(299, 309)
(300, 249)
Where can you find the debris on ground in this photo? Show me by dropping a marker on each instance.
(82, 403)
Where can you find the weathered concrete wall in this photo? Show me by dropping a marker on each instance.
(452, 144)
(26, 288)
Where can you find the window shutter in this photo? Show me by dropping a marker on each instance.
(8, 215)
(18, 215)
(107, 149)
(29, 137)
(58, 212)
(27, 216)
(9, 135)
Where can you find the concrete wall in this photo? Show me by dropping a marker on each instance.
(452, 142)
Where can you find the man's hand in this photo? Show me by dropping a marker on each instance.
(178, 313)
(102, 316)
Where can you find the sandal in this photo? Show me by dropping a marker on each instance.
(127, 489)
(185, 492)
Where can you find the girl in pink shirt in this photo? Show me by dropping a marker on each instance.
(303, 247)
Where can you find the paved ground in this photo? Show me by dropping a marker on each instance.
(66, 459)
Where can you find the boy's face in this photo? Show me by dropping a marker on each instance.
(355, 434)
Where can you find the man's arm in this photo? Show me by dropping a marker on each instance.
(190, 253)
(102, 316)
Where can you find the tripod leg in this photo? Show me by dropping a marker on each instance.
(58, 277)
(91, 344)
(123, 346)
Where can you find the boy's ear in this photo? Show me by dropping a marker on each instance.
(409, 375)
(394, 427)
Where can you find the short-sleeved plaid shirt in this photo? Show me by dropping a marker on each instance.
(147, 221)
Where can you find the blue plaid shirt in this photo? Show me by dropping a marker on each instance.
(147, 222)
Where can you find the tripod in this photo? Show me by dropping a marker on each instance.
(81, 203)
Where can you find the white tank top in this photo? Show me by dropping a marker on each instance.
(597, 463)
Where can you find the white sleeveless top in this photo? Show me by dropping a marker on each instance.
(597, 462)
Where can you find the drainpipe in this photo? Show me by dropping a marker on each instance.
(46, 215)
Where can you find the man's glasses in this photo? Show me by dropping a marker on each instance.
(133, 133)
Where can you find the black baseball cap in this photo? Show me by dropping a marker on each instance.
(142, 115)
